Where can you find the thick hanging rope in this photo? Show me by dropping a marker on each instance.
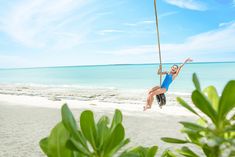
(158, 39)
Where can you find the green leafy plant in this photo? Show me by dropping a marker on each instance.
(214, 132)
(91, 139)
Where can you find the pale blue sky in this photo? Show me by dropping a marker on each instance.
(86, 32)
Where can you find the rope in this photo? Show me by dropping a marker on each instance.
(158, 39)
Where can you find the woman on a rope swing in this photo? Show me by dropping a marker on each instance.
(170, 76)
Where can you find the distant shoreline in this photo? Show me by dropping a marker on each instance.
(103, 65)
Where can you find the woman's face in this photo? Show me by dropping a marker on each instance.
(174, 69)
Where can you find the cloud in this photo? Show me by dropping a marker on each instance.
(147, 22)
(150, 22)
(224, 24)
(167, 14)
(218, 40)
(105, 31)
(200, 46)
(138, 50)
(45, 24)
(140, 23)
(188, 4)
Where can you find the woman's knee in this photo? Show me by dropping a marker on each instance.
(155, 88)
(159, 91)
(152, 94)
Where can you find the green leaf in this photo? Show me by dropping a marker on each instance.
(114, 140)
(185, 151)
(173, 140)
(202, 121)
(140, 152)
(117, 119)
(230, 128)
(68, 119)
(193, 126)
(196, 82)
(185, 105)
(76, 152)
(102, 131)
(88, 127)
(232, 153)
(195, 133)
(207, 151)
(152, 151)
(213, 96)
(44, 146)
(134, 152)
(57, 140)
(71, 125)
(75, 144)
(194, 137)
(227, 100)
(129, 154)
(204, 105)
(120, 145)
(168, 153)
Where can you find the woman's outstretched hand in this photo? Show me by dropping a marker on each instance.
(189, 60)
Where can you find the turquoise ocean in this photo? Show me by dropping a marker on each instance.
(133, 76)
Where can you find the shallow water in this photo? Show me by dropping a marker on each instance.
(142, 76)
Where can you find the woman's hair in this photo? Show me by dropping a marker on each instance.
(175, 65)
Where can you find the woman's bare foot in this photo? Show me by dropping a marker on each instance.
(147, 107)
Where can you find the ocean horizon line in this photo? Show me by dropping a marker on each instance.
(100, 65)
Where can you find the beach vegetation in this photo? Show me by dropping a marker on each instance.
(214, 132)
(91, 139)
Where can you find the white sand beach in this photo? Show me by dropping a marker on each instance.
(106, 55)
(25, 119)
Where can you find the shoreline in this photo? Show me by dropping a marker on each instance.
(104, 98)
(95, 105)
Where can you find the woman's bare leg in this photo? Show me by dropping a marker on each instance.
(148, 97)
(150, 91)
(153, 89)
(151, 97)
(156, 92)
(147, 106)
